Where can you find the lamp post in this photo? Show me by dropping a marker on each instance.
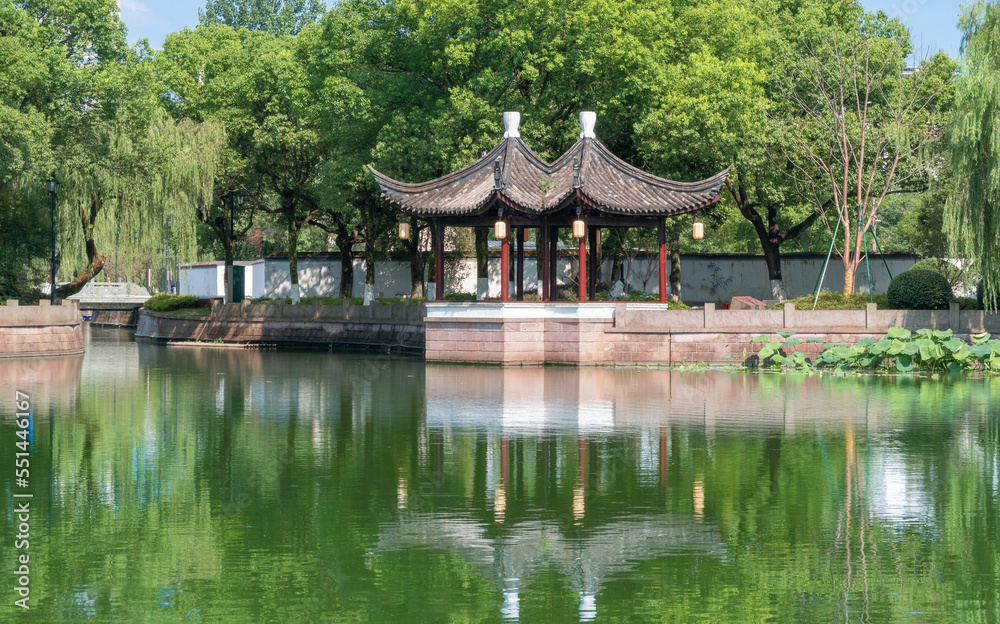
(53, 190)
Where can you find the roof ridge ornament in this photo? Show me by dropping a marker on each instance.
(497, 176)
(511, 121)
(577, 181)
(588, 119)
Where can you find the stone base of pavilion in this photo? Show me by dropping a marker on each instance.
(628, 333)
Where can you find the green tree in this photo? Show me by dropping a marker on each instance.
(278, 17)
(972, 215)
(864, 128)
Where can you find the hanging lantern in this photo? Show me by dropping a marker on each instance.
(698, 231)
(500, 229)
(526, 233)
(404, 230)
(579, 229)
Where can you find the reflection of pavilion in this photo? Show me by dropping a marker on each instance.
(521, 550)
(595, 400)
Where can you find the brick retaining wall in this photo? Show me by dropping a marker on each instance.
(396, 325)
(40, 329)
(640, 333)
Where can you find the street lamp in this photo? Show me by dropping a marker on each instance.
(53, 190)
(240, 198)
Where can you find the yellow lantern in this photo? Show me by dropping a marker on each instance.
(526, 234)
(698, 232)
(500, 230)
(579, 229)
(404, 230)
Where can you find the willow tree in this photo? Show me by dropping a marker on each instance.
(134, 176)
(972, 214)
(865, 129)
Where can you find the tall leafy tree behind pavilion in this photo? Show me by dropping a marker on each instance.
(259, 87)
(435, 77)
(277, 17)
(866, 129)
(972, 214)
(722, 101)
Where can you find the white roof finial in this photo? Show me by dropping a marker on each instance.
(511, 120)
(588, 119)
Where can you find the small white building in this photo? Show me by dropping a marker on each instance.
(207, 280)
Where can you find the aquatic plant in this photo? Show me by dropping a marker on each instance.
(899, 350)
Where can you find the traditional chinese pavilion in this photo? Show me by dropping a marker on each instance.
(587, 188)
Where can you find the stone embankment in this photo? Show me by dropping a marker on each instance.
(39, 330)
(648, 333)
(399, 325)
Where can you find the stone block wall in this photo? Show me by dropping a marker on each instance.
(385, 326)
(39, 330)
(641, 333)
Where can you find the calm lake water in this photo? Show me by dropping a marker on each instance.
(209, 485)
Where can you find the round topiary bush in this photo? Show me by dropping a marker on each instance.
(919, 290)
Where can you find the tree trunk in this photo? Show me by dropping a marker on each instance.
(369, 260)
(416, 261)
(674, 244)
(345, 242)
(95, 262)
(482, 262)
(432, 264)
(772, 258)
(293, 258)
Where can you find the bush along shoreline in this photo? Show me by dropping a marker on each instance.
(899, 351)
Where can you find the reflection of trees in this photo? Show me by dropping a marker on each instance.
(304, 483)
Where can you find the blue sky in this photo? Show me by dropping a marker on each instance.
(932, 23)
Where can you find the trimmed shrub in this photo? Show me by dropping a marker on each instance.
(919, 290)
(945, 268)
(162, 302)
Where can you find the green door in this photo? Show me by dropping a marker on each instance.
(238, 291)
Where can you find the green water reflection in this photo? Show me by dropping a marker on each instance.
(200, 485)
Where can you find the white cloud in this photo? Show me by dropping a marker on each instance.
(133, 6)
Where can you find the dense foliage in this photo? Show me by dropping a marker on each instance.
(283, 104)
(918, 289)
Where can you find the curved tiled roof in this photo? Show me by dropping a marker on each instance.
(587, 174)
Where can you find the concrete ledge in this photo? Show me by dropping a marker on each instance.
(42, 330)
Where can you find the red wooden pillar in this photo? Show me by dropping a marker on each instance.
(661, 231)
(505, 266)
(520, 263)
(542, 255)
(583, 269)
(439, 261)
(553, 263)
(595, 246)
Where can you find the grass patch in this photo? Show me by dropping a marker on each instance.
(189, 312)
(835, 301)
